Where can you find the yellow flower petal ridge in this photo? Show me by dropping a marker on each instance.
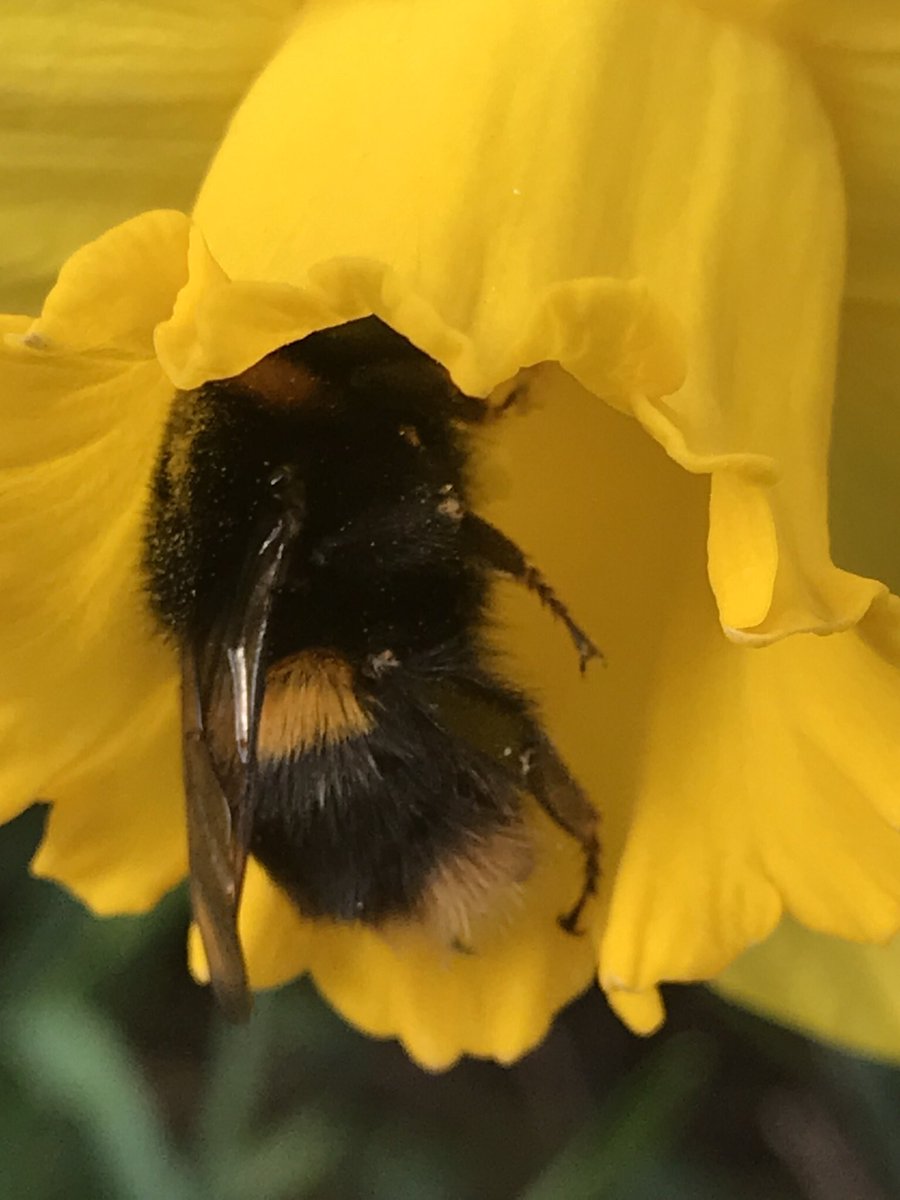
(604, 330)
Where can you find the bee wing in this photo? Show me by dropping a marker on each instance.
(223, 682)
(215, 884)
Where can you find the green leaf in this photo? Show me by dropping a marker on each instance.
(75, 1062)
(291, 1162)
(635, 1128)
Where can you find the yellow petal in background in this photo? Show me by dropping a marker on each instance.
(108, 108)
(855, 60)
(837, 990)
(74, 639)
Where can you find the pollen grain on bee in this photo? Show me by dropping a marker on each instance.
(385, 660)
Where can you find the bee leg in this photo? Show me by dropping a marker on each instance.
(461, 947)
(470, 410)
(546, 777)
(475, 410)
(568, 922)
(500, 553)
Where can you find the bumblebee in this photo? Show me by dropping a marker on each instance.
(311, 553)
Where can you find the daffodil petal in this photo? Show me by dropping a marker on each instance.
(482, 223)
(110, 108)
(606, 331)
(870, 26)
(742, 548)
(111, 293)
(783, 798)
(837, 990)
(853, 57)
(116, 836)
(852, 54)
(732, 782)
(453, 227)
(580, 475)
(77, 659)
(90, 711)
(642, 1012)
(841, 990)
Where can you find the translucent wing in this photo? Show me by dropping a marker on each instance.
(223, 682)
(214, 856)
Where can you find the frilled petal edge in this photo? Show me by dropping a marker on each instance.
(497, 1003)
(609, 333)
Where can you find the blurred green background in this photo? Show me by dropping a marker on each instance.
(117, 1080)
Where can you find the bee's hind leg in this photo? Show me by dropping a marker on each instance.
(546, 777)
(478, 410)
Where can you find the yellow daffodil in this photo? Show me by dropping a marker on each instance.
(642, 207)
